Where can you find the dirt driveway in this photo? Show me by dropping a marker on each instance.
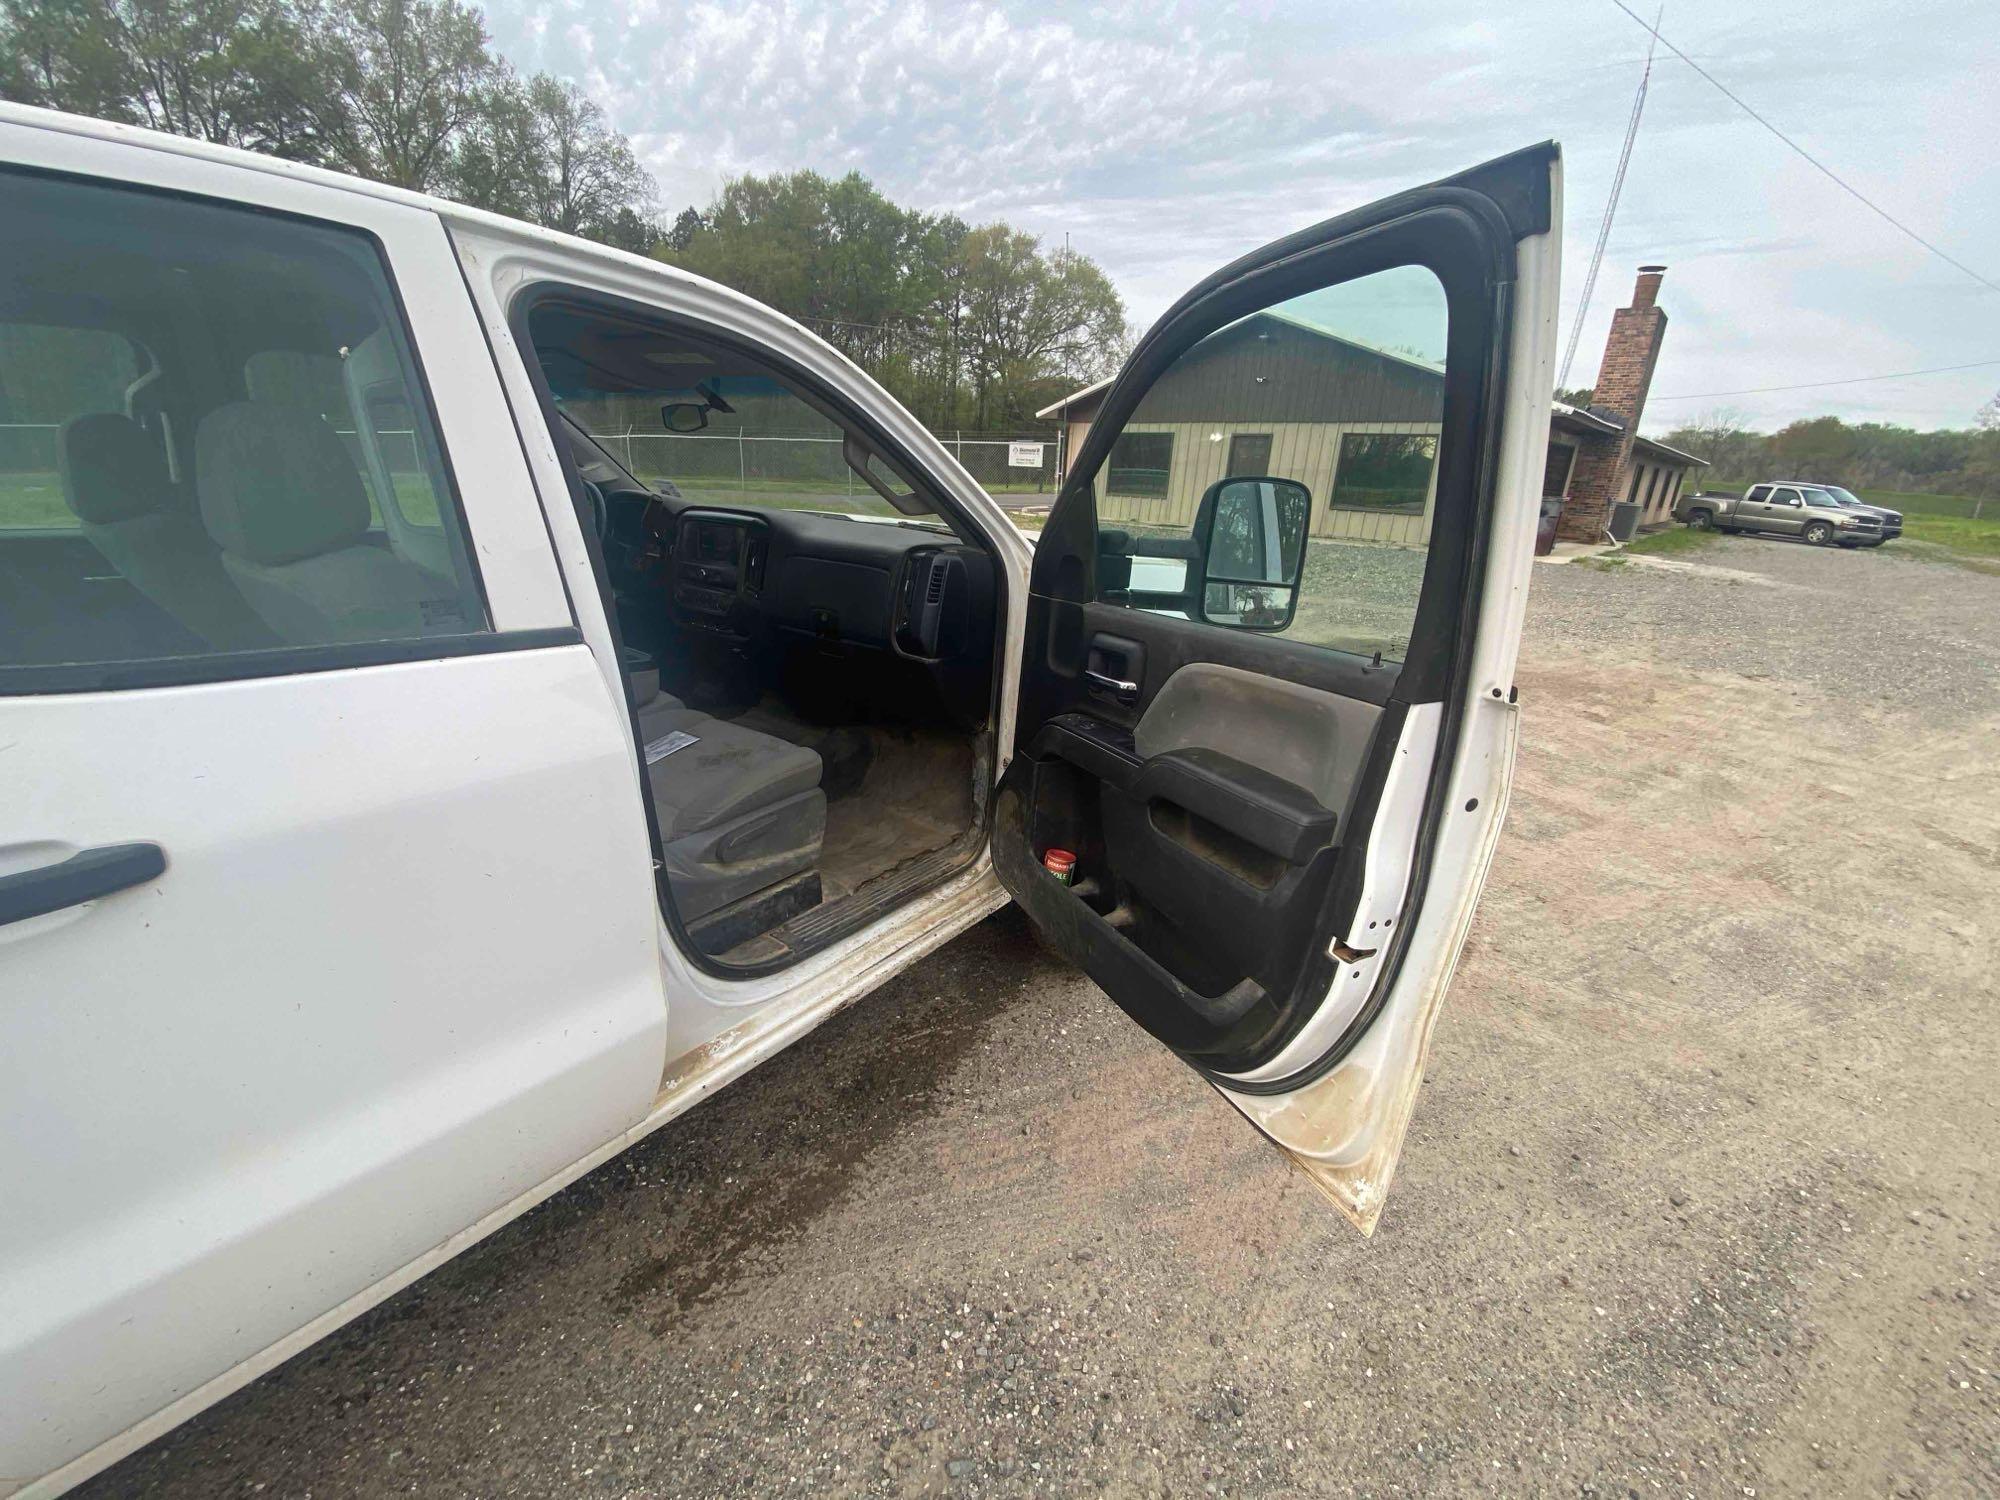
(1701, 1196)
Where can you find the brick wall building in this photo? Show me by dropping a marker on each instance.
(1611, 462)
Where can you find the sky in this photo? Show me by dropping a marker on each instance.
(1165, 139)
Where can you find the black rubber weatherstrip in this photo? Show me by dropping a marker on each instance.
(280, 661)
(1449, 733)
(80, 878)
(519, 310)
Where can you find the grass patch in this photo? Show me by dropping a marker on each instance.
(34, 501)
(1671, 542)
(1912, 504)
(1958, 539)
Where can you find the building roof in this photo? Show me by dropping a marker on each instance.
(1074, 396)
(1656, 449)
(1572, 419)
(1577, 419)
(1097, 388)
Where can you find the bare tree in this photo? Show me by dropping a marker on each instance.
(410, 76)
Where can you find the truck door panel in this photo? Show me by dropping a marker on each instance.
(1254, 706)
(395, 961)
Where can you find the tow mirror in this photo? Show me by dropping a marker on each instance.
(1251, 536)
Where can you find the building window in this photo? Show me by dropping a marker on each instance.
(1249, 453)
(1140, 463)
(1555, 471)
(1386, 471)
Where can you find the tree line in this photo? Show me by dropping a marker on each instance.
(407, 92)
(971, 326)
(1859, 455)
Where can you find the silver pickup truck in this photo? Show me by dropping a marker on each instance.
(1818, 513)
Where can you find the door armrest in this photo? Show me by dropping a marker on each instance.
(1256, 806)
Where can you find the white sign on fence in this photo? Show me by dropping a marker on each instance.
(1025, 455)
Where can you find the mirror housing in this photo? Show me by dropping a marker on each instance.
(1250, 536)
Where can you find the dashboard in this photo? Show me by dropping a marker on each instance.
(750, 575)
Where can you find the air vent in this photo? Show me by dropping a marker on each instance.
(935, 590)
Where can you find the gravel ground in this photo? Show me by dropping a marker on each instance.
(1700, 1198)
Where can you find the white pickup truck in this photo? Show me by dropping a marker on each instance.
(447, 734)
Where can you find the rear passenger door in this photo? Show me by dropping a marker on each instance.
(326, 917)
(1266, 719)
(1754, 510)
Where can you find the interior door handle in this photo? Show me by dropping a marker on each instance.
(1111, 684)
(80, 878)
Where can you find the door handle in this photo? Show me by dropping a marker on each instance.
(1111, 684)
(80, 878)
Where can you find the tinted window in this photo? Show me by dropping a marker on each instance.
(224, 436)
(50, 376)
(1340, 390)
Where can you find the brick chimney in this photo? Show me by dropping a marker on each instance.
(1622, 383)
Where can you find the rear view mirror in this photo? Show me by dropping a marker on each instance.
(1251, 535)
(692, 416)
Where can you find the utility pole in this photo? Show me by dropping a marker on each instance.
(1611, 206)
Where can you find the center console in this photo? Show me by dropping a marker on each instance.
(718, 573)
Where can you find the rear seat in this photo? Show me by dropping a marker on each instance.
(739, 810)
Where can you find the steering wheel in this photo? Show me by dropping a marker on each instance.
(600, 512)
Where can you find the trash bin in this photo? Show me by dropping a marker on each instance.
(1624, 521)
(1545, 531)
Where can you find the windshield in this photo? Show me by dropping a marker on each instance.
(1821, 494)
(703, 420)
(1841, 496)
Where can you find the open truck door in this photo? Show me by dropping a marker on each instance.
(1267, 716)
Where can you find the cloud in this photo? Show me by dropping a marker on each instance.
(1166, 139)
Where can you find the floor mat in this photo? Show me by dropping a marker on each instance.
(894, 793)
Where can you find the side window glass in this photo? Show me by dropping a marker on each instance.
(1281, 474)
(1758, 493)
(228, 421)
(49, 377)
(391, 427)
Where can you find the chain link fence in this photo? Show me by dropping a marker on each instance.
(752, 464)
(776, 469)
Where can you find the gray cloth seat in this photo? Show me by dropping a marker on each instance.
(286, 505)
(739, 811)
(115, 480)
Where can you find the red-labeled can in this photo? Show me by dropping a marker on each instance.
(1061, 864)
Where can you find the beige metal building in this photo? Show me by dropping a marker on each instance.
(1254, 399)
(1358, 427)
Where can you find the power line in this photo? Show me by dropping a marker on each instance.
(1810, 385)
(1610, 209)
(1819, 165)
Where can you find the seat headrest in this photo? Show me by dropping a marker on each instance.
(275, 483)
(111, 470)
